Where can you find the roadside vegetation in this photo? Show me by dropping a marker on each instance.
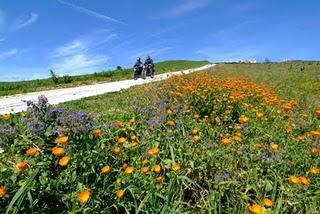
(298, 80)
(54, 82)
(208, 142)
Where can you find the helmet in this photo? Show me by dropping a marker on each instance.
(138, 59)
(148, 57)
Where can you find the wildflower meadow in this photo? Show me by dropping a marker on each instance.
(190, 144)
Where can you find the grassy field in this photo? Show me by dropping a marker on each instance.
(9, 88)
(231, 140)
(286, 79)
(292, 80)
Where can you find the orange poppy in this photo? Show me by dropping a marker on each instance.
(105, 169)
(32, 151)
(84, 196)
(120, 193)
(64, 161)
(56, 151)
(96, 132)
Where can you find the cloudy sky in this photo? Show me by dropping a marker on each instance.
(80, 36)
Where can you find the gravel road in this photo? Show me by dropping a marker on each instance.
(15, 103)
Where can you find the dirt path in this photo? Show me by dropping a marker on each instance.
(15, 102)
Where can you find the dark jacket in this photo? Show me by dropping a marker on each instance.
(148, 61)
(138, 64)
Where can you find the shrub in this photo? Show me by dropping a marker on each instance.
(54, 77)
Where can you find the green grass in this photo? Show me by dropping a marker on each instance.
(285, 78)
(10, 88)
(300, 80)
(193, 121)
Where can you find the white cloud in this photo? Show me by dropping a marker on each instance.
(92, 13)
(24, 21)
(152, 52)
(74, 47)
(84, 44)
(187, 7)
(82, 55)
(80, 63)
(8, 53)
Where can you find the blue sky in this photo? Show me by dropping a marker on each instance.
(74, 37)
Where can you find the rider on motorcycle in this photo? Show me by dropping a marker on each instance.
(149, 61)
(138, 63)
(149, 66)
(138, 69)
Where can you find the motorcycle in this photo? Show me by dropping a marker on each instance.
(143, 71)
(149, 70)
(138, 72)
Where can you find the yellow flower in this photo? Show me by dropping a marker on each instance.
(256, 209)
(120, 193)
(119, 181)
(259, 115)
(121, 140)
(64, 161)
(305, 181)
(154, 151)
(288, 107)
(313, 170)
(145, 161)
(133, 145)
(131, 121)
(6, 117)
(157, 168)
(169, 111)
(237, 138)
(171, 123)
(267, 202)
(159, 179)
(274, 146)
(259, 145)
(62, 140)
(56, 151)
(196, 138)
(116, 150)
(289, 130)
(3, 191)
(300, 138)
(129, 170)
(144, 169)
(96, 132)
(196, 117)
(225, 141)
(133, 138)
(84, 196)
(315, 133)
(294, 179)
(32, 151)
(105, 169)
(176, 167)
(218, 121)
(195, 131)
(243, 119)
(22, 165)
(314, 151)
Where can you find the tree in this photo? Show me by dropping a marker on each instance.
(54, 77)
